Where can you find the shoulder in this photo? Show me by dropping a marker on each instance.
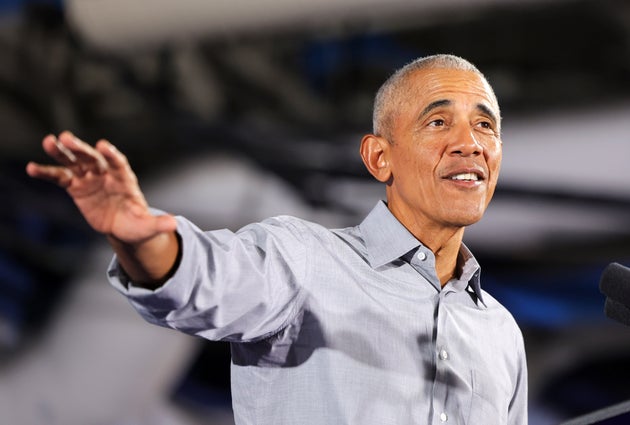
(286, 228)
(291, 224)
(310, 235)
(304, 228)
(502, 317)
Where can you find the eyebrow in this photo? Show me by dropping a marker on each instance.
(434, 105)
(446, 102)
(486, 110)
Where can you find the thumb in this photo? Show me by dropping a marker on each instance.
(165, 223)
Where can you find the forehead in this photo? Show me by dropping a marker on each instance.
(429, 85)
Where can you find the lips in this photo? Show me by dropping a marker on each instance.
(465, 177)
(468, 174)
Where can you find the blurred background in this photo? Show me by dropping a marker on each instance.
(232, 111)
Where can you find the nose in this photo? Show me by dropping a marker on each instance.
(465, 143)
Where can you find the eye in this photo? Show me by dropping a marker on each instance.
(437, 123)
(486, 125)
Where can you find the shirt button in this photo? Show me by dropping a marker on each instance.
(443, 417)
(421, 256)
(443, 354)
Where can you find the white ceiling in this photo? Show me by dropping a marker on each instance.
(123, 24)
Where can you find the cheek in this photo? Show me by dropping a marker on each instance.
(493, 158)
(416, 163)
(422, 169)
(496, 168)
(410, 163)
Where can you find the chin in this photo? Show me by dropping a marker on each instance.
(468, 213)
(467, 219)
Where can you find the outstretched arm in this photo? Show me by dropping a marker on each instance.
(106, 191)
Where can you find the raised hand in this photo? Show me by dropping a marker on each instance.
(106, 191)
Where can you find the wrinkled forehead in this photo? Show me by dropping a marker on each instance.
(429, 85)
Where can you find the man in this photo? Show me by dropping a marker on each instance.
(382, 323)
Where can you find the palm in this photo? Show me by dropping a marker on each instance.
(103, 187)
(108, 205)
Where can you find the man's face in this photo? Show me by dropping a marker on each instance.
(445, 150)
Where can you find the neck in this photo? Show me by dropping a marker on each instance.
(446, 257)
(444, 241)
(445, 246)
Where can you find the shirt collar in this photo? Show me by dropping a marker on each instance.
(470, 272)
(386, 240)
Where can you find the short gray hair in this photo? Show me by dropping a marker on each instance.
(389, 97)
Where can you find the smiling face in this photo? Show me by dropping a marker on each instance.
(442, 156)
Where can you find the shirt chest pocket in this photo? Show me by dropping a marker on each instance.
(491, 396)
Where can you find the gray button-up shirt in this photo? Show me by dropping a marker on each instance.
(348, 326)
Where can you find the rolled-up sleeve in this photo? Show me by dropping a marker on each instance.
(233, 286)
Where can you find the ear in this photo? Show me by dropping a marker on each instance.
(375, 154)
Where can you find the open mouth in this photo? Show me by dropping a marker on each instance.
(466, 177)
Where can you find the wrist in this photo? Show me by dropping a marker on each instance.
(149, 263)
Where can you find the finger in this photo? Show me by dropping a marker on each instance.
(58, 152)
(116, 161)
(88, 159)
(61, 176)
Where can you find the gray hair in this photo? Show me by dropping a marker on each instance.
(389, 97)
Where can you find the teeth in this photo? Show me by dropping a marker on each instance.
(465, 176)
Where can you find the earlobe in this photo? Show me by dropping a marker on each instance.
(375, 154)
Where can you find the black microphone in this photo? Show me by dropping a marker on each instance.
(617, 311)
(615, 284)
